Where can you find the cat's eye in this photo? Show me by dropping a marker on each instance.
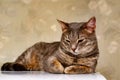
(67, 40)
(80, 40)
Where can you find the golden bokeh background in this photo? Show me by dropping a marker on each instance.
(25, 22)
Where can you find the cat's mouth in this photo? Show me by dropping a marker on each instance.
(74, 52)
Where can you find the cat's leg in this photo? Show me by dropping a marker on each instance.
(13, 67)
(53, 66)
(77, 69)
(28, 61)
(31, 60)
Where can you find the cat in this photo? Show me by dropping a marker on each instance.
(76, 53)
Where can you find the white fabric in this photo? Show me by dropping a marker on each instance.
(48, 76)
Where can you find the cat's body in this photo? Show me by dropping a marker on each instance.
(77, 52)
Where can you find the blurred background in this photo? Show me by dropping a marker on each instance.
(25, 22)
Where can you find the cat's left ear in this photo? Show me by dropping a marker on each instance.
(64, 25)
(91, 25)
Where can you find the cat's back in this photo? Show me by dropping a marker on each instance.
(45, 48)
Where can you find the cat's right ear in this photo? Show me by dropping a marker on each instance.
(64, 25)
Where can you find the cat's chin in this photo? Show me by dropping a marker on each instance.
(78, 53)
(75, 53)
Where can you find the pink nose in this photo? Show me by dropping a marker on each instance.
(73, 49)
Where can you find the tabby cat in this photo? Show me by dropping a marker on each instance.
(76, 53)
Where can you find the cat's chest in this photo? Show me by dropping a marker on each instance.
(66, 59)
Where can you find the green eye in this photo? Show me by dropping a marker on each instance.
(67, 40)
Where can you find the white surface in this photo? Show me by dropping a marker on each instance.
(48, 76)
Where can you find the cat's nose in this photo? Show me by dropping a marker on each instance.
(73, 49)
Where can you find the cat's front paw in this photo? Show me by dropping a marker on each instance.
(75, 69)
(69, 70)
(54, 66)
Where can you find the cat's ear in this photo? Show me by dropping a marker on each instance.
(64, 25)
(91, 25)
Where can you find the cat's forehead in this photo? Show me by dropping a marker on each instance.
(75, 30)
(76, 25)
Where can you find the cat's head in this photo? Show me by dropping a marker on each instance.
(79, 38)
